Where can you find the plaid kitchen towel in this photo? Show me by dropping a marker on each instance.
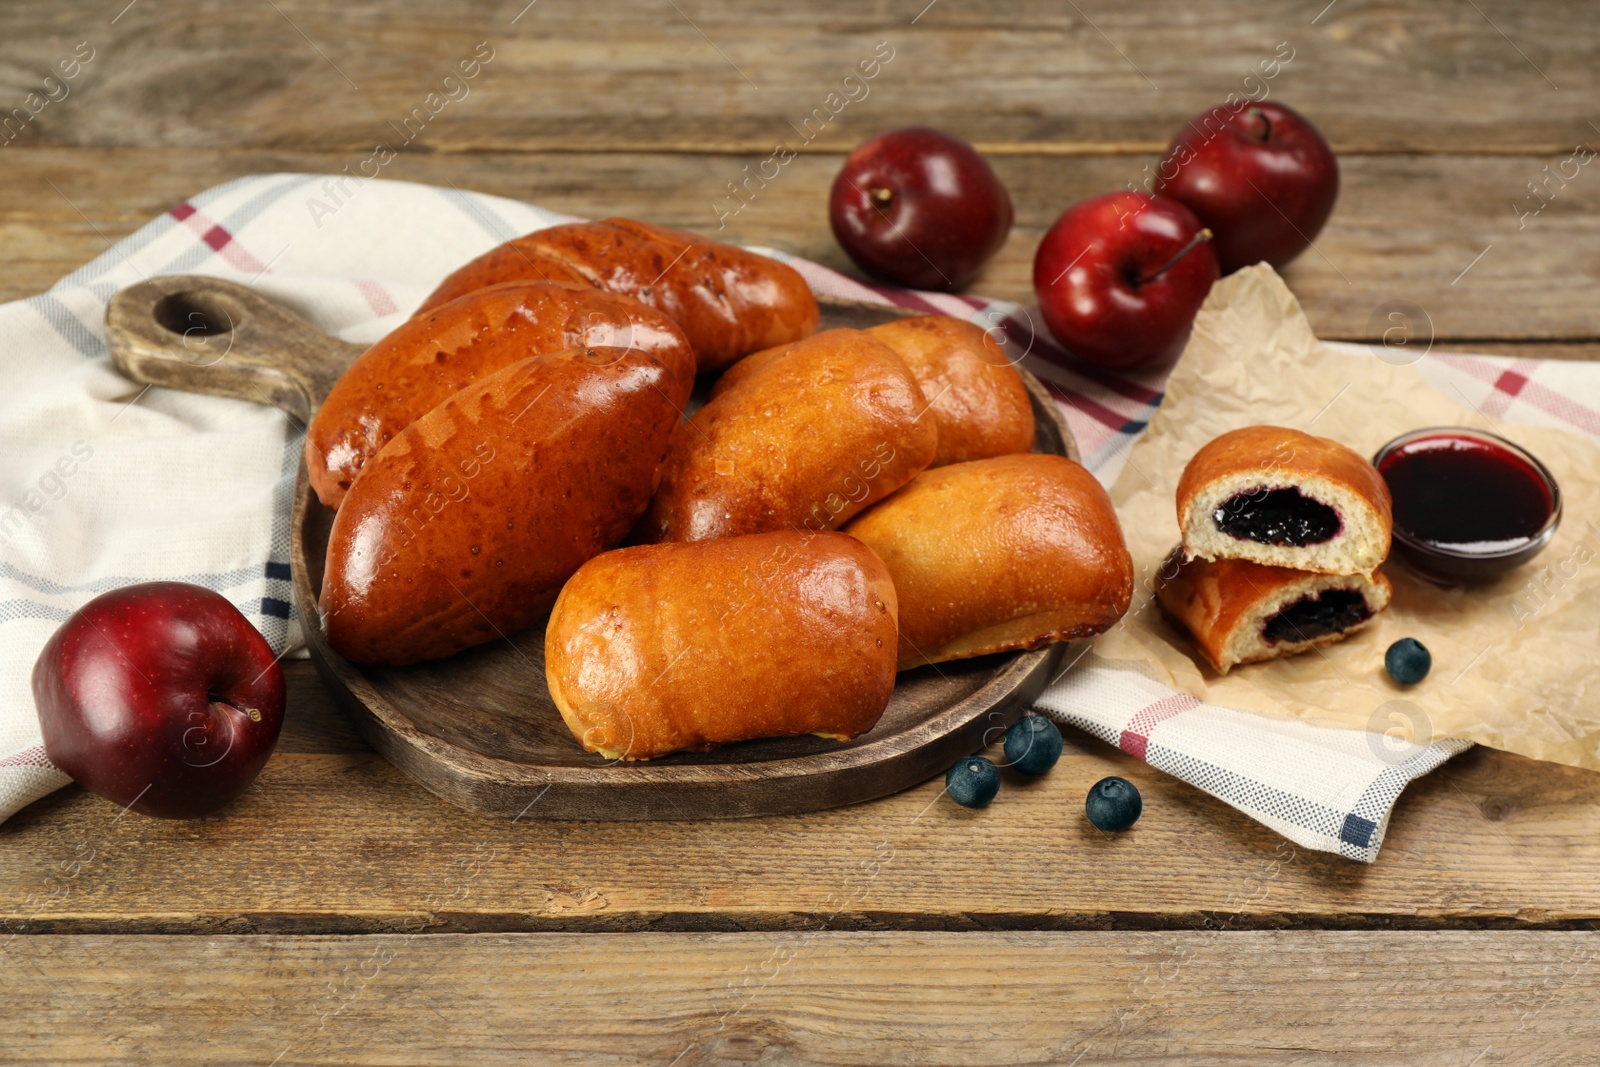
(1327, 789)
(103, 483)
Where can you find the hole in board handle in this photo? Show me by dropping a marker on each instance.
(191, 316)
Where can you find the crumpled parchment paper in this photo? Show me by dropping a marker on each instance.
(1516, 663)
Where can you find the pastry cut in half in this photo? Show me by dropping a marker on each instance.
(1243, 612)
(1285, 498)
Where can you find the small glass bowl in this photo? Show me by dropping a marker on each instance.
(1448, 566)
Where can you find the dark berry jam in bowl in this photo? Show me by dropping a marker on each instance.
(1468, 505)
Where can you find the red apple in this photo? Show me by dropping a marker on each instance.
(919, 207)
(1259, 175)
(1119, 278)
(161, 697)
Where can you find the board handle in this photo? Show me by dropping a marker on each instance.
(209, 335)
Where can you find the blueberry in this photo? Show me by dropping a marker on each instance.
(972, 782)
(1407, 661)
(1113, 804)
(1033, 744)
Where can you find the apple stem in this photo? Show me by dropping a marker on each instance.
(881, 196)
(218, 702)
(1266, 124)
(1194, 242)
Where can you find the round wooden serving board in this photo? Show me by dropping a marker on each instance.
(479, 729)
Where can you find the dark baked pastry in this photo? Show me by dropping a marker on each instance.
(833, 426)
(427, 359)
(1243, 612)
(728, 301)
(975, 396)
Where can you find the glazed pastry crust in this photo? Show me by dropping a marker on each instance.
(1259, 458)
(1223, 604)
(510, 262)
(421, 363)
(655, 649)
(728, 301)
(1000, 554)
(464, 527)
(806, 444)
(974, 394)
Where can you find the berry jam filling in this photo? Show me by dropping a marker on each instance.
(1333, 611)
(1466, 495)
(1277, 517)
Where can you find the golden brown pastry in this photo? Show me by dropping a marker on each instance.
(658, 648)
(503, 263)
(423, 361)
(463, 528)
(835, 425)
(730, 302)
(999, 554)
(1284, 498)
(975, 395)
(1243, 612)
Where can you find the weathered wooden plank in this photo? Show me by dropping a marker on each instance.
(334, 839)
(1580, 350)
(1407, 227)
(1444, 999)
(311, 722)
(726, 75)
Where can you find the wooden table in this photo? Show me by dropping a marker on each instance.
(339, 913)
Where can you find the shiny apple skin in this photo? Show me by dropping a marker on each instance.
(161, 697)
(1086, 271)
(946, 216)
(1260, 176)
